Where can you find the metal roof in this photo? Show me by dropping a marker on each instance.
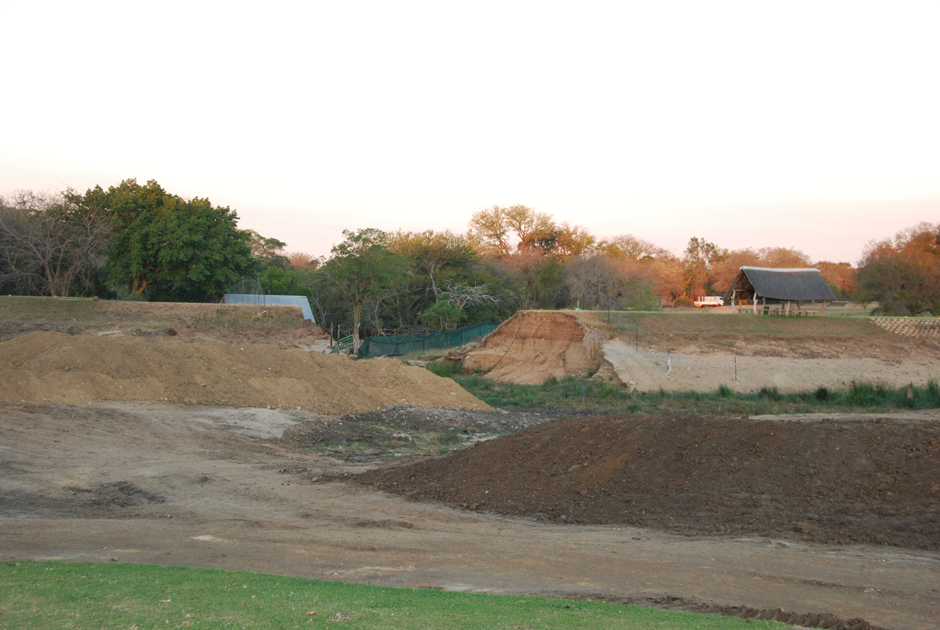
(798, 285)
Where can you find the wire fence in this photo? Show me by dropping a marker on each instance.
(411, 344)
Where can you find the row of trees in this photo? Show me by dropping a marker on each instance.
(139, 241)
(129, 241)
(903, 274)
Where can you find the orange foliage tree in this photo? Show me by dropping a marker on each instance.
(903, 275)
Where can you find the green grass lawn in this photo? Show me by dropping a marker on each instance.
(64, 596)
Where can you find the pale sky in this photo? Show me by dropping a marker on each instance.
(813, 125)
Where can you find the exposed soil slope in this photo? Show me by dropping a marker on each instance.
(700, 352)
(46, 366)
(832, 481)
(535, 345)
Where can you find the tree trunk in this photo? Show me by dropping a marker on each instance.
(357, 314)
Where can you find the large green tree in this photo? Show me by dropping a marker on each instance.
(361, 267)
(434, 259)
(168, 248)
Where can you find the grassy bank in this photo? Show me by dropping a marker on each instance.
(591, 396)
(710, 323)
(19, 315)
(88, 596)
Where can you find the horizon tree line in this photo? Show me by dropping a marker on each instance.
(135, 241)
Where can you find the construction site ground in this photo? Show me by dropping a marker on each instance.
(810, 519)
(701, 351)
(282, 326)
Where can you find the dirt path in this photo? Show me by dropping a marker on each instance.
(175, 484)
(650, 371)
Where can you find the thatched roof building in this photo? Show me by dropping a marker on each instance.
(778, 285)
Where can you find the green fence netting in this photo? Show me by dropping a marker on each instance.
(407, 344)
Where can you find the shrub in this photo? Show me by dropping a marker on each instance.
(450, 437)
(446, 369)
(933, 391)
(769, 393)
(864, 394)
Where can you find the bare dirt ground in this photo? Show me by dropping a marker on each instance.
(673, 371)
(702, 351)
(201, 486)
(281, 326)
(248, 463)
(873, 480)
(49, 366)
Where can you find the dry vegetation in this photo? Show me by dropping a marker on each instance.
(278, 325)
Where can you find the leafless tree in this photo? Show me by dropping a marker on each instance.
(597, 282)
(51, 244)
(462, 295)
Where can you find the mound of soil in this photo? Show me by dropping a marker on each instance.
(535, 345)
(840, 481)
(699, 352)
(283, 326)
(47, 366)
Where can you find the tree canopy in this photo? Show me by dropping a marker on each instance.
(361, 267)
(140, 240)
(903, 275)
(51, 244)
(172, 249)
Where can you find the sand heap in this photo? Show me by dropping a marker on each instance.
(47, 366)
(534, 345)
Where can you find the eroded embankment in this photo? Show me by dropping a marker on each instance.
(868, 480)
(536, 345)
(46, 366)
(532, 346)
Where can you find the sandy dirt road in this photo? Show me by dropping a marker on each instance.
(174, 484)
(704, 372)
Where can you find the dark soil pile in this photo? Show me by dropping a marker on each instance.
(870, 481)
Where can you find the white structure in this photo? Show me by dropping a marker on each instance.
(272, 300)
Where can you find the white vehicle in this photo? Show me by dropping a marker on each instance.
(709, 300)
